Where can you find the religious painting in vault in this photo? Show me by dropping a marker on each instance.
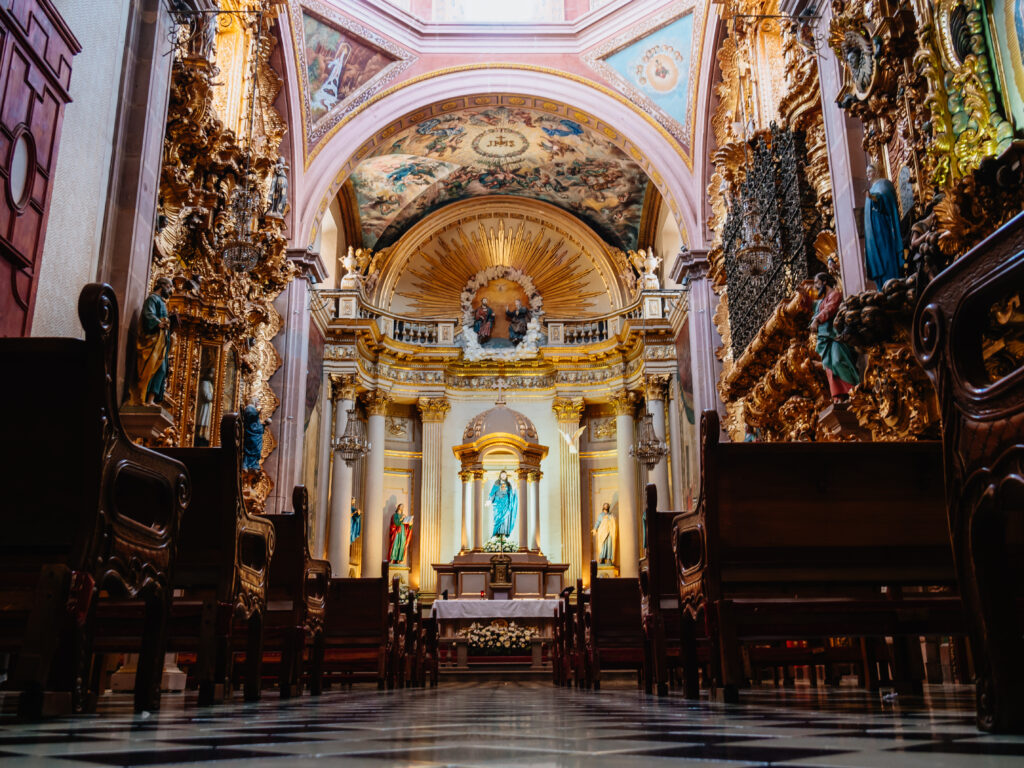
(499, 150)
(1007, 26)
(337, 63)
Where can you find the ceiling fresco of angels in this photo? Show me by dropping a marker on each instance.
(499, 151)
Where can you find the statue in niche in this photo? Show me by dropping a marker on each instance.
(504, 503)
(204, 412)
(840, 367)
(483, 321)
(860, 59)
(152, 346)
(883, 241)
(252, 443)
(518, 319)
(400, 533)
(279, 190)
(357, 522)
(605, 529)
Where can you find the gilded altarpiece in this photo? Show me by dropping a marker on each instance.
(222, 142)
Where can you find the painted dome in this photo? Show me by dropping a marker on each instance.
(500, 419)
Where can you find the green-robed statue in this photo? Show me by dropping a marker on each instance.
(152, 347)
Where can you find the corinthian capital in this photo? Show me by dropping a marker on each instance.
(568, 408)
(377, 402)
(623, 401)
(343, 386)
(433, 409)
(656, 387)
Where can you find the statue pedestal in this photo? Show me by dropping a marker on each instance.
(839, 424)
(151, 425)
(532, 576)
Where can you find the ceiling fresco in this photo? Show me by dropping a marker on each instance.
(499, 151)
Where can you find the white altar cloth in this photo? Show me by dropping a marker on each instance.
(494, 609)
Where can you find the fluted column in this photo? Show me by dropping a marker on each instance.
(534, 481)
(467, 509)
(432, 413)
(523, 513)
(568, 410)
(656, 391)
(339, 531)
(629, 554)
(675, 445)
(478, 510)
(377, 403)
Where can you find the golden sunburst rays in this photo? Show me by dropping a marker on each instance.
(562, 280)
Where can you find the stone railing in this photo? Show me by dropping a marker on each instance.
(336, 307)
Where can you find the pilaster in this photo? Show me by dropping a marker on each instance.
(568, 411)
(432, 413)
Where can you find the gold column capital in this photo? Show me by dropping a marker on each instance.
(623, 401)
(433, 409)
(523, 473)
(568, 408)
(478, 474)
(466, 476)
(656, 386)
(535, 476)
(343, 386)
(377, 402)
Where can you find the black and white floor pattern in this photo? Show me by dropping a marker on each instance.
(525, 726)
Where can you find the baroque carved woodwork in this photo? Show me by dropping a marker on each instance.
(225, 315)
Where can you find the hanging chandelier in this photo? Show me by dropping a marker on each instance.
(754, 253)
(242, 252)
(352, 445)
(648, 449)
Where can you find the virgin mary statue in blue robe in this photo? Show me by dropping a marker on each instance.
(883, 242)
(503, 502)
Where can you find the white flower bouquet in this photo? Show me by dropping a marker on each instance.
(498, 639)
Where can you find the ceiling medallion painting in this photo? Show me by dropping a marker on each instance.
(503, 151)
(650, 65)
(342, 64)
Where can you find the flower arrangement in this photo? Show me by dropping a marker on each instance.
(498, 639)
(534, 336)
(500, 543)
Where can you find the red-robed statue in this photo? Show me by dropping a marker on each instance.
(483, 322)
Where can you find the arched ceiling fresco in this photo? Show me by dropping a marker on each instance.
(499, 151)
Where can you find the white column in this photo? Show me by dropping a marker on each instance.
(478, 510)
(535, 507)
(629, 554)
(373, 510)
(657, 389)
(523, 511)
(432, 413)
(340, 527)
(675, 445)
(568, 411)
(467, 509)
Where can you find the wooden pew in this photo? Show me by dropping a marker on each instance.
(224, 554)
(359, 630)
(563, 654)
(613, 630)
(965, 329)
(661, 618)
(797, 540)
(85, 513)
(431, 660)
(296, 600)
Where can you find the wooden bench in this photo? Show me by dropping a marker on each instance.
(296, 600)
(359, 631)
(85, 513)
(563, 649)
(224, 554)
(613, 631)
(965, 323)
(797, 540)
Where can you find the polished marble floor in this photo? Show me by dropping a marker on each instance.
(535, 725)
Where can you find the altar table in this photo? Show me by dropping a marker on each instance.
(493, 609)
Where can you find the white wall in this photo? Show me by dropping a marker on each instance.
(77, 209)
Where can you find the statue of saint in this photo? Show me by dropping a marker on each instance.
(840, 368)
(882, 238)
(483, 322)
(504, 503)
(152, 346)
(518, 319)
(252, 444)
(357, 522)
(204, 412)
(279, 190)
(400, 531)
(604, 535)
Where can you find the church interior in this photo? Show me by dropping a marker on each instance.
(550, 383)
